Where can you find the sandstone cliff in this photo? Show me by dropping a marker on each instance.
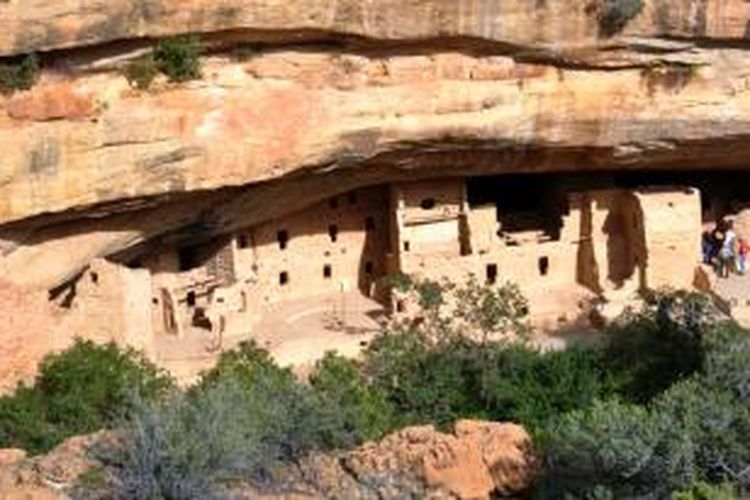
(337, 94)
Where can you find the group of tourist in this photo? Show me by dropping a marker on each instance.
(724, 250)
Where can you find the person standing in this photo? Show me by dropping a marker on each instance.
(727, 251)
(742, 250)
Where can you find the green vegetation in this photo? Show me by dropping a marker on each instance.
(251, 416)
(142, 72)
(81, 390)
(179, 57)
(19, 75)
(360, 410)
(614, 15)
(658, 409)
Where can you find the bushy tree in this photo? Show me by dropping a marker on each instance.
(650, 349)
(425, 382)
(609, 445)
(532, 387)
(83, 389)
(360, 410)
(495, 312)
(727, 359)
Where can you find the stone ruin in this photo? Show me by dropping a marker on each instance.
(327, 145)
(563, 245)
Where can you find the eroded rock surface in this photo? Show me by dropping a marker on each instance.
(306, 99)
(478, 460)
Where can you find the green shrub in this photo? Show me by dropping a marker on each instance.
(186, 447)
(703, 435)
(179, 57)
(706, 491)
(142, 72)
(691, 433)
(20, 75)
(640, 348)
(607, 446)
(360, 410)
(23, 422)
(614, 15)
(532, 387)
(425, 383)
(272, 391)
(251, 417)
(459, 378)
(727, 358)
(83, 389)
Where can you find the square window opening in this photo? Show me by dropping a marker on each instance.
(283, 278)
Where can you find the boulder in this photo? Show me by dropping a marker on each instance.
(476, 461)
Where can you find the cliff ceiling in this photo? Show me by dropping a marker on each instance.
(301, 99)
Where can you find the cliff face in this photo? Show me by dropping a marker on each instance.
(305, 98)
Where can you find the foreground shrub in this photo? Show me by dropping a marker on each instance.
(691, 433)
(179, 57)
(727, 360)
(704, 435)
(245, 419)
(283, 410)
(531, 387)
(459, 378)
(20, 75)
(360, 411)
(188, 447)
(83, 389)
(706, 491)
(641, 346)
(426, 382)
(23, 422)
(607, 446)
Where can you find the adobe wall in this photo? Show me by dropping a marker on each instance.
(112, 304)
(612, 242)
(429, 244)
(336, 245)
(672, 223)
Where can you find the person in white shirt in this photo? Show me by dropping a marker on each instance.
(727, 251)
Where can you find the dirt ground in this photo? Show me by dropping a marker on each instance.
(299, 333)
